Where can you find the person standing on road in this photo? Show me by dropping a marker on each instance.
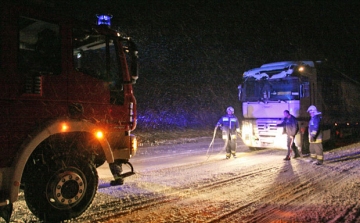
(315, 136)
(291, 128)
(229, 124)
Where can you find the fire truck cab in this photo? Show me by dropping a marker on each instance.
(67, 106)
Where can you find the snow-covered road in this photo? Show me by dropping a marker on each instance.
(188, 183)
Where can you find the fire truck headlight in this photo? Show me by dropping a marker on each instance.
(133, 145)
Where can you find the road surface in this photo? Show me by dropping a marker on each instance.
(194, 183)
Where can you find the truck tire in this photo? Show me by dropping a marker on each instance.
(60, 189)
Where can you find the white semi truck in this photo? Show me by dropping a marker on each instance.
(267, 91)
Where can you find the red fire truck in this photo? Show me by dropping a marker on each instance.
(67, 107)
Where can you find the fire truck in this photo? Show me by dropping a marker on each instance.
(267, 91)
(67, 107)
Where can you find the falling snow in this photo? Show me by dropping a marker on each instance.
(193, 182)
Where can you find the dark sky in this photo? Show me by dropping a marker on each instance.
(193, 52)
(252, 32)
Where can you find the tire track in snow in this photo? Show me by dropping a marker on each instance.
(297, 194)
(173, 195)
(288, 199)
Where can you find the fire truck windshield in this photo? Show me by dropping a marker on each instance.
(97, 56)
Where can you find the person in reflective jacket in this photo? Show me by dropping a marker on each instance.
(315, 136)
(229, 124)
(291, 128)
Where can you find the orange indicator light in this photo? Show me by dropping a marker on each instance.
(64, 127)
(99, 134)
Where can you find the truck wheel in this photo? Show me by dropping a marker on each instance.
(61, 189)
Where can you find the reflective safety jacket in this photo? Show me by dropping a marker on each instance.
(315, 128)
(229, 125)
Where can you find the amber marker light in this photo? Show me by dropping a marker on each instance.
(64, 127)
(99, 134)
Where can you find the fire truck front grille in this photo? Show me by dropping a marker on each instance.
(33, 84)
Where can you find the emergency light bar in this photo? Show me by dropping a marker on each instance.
(104, 20)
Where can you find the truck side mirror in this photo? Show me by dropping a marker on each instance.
(240, 91)
(134, 66)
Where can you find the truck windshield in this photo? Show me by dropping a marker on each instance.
(283, 89)
(97, 56)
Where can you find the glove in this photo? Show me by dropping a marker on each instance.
(312, 139)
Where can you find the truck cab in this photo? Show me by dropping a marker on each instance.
(67, 106)
(266, 92)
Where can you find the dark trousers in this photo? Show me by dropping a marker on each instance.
(316, 152)
(230, 146)
(291, 147)
(116, 168)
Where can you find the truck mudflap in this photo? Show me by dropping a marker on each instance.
(6, 211)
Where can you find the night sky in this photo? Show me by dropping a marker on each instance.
(253, 32)
(193, 52)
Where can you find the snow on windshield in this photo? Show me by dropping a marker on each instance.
(275, 70)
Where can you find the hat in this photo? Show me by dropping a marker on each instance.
(231, 109)
(312, 108)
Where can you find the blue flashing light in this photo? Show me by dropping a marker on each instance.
(104, 20)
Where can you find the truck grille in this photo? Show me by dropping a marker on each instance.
(266, 127)
(267, 133)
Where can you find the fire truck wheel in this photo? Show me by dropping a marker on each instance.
(61, 190)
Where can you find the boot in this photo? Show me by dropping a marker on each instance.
(119, 181)
(233, 154)
(318, 162)
(296, 152)
(287, 158)
(228, 155)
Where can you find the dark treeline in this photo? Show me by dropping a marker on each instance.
(193, 52)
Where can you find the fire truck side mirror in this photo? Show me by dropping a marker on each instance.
(134, 66)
